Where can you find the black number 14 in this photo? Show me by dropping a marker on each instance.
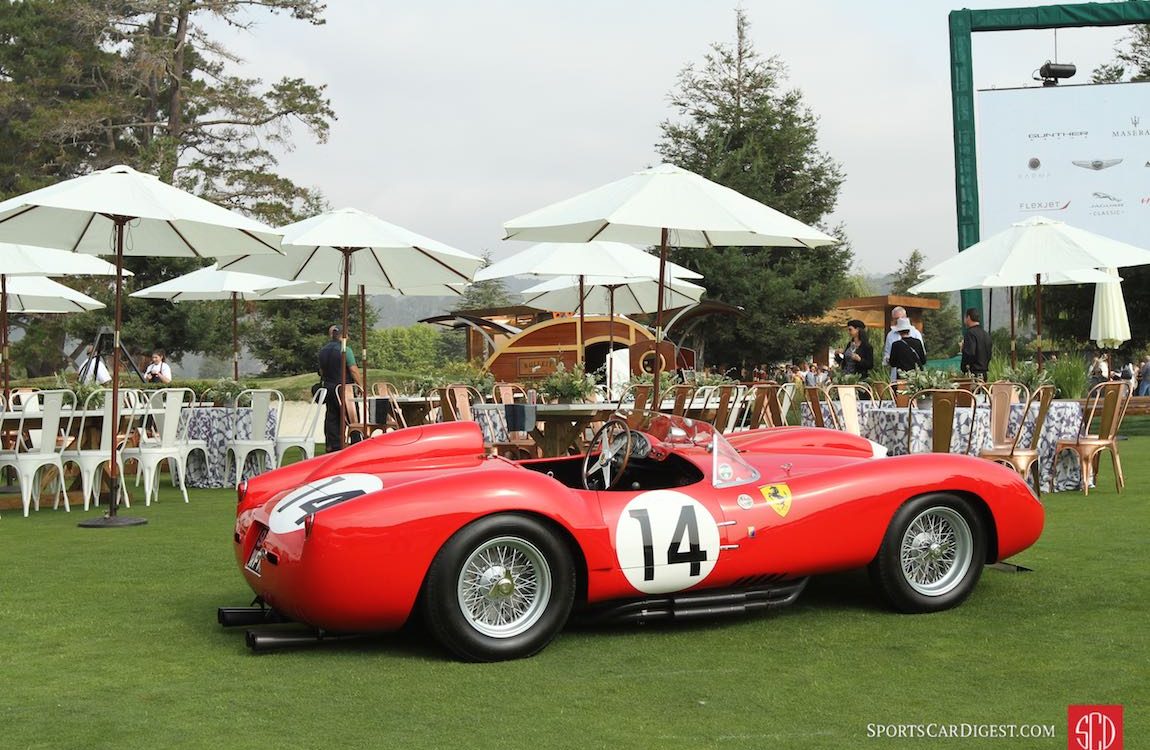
(687, 526)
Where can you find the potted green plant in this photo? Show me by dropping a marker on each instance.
(922, 380)
(567, 386)
(1028, 374)
(223, 392)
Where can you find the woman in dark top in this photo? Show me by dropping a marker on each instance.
(907, 352)
(858, 357)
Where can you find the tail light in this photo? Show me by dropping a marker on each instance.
(241, 491)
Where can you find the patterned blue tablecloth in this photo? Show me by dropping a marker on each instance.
(887, 425)
(214, 425)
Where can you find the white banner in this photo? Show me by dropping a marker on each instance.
(1079, 154)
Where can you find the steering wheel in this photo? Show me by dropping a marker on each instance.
(613, 442)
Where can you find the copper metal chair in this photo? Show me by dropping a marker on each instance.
(1008, 452)
(1107, 401)
(944, 402)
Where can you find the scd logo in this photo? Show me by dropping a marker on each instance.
(1094, 727)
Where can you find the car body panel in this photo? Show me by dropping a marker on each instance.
(350, 537)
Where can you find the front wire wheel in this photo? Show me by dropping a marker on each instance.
(931, 555)
(501, 588)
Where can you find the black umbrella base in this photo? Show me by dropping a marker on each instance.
(107, 522)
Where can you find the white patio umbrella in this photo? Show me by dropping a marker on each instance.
(662, 206)
(981, 280)
(27, 260)
(362, 249)
(124, 212)
(611, 295)
(1036, 246)
(211, 283)
(1109, 323)
(39, 294)
(561, 259)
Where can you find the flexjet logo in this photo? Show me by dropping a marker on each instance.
(1055, 205)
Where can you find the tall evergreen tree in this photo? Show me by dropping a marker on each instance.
(739, 127)
(86, 84)
(482, 295)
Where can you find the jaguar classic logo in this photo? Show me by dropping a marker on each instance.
(1106, 204)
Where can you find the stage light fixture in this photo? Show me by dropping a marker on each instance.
(1051, 72)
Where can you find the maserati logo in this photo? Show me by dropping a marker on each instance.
(1134, 121)
(1096, 164)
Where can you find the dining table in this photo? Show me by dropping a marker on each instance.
(888, 424)
(214, 426)
(555, 428)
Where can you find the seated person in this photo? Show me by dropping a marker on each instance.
(158, 370)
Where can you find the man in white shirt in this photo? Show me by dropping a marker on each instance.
(892, 336)
(94, 369)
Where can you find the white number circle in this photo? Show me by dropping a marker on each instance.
(666, 541)
(292, 509)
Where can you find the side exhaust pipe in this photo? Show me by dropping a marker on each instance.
(269, 640)
(231, 617)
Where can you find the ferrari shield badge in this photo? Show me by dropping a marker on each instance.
(778, 496)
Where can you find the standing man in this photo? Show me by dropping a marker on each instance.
(897, 314)
(1144, 377)
(975, 346)
(331, 374)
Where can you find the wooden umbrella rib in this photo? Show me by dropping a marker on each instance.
(278, 251)
(382, 270)
(18, 214)
(461, 276)
(83, 232)
(183, 239)
(599, 231)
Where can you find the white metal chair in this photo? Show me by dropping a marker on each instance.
(158, 431)
(89, 460)
(305, 441)
(263, 403)
(786, 395)
(37, 447)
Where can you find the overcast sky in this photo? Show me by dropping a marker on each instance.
(457, 116)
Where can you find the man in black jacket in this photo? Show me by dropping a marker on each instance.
(975, 346)
(332, 375)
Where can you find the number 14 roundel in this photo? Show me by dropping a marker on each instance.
(666, 541)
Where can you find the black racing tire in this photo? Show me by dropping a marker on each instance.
(931, 555)
(501, 588)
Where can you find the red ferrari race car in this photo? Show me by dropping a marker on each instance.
(664, 518)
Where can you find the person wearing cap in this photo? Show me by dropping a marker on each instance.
(907, 352)
(332, 375)
(897, 314)
(858, 356)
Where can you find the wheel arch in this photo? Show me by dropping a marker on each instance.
(979, 504)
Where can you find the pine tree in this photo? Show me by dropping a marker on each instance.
(739, 127)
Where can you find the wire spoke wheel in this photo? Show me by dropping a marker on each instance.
(504, 587)
(936, 551)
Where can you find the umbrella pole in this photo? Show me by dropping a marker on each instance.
(343, 347)
(4, 332)
(1038, 315)
(610, 338)
(1013, 343)
(363, 348)
(235, 339)
(579, 354)
(114, 478)
(655, 400)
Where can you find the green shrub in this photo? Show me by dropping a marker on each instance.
(1069, 377)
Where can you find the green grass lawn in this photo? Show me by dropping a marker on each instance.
(110, 641)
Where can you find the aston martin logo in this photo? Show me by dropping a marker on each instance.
(1096, 164)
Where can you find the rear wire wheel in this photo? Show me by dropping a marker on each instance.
(931, 555)
(501, 588)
